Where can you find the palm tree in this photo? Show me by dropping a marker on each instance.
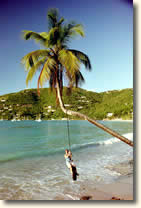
(56, 60)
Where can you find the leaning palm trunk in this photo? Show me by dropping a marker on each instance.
(108, 130)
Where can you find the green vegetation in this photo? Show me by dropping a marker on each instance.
(27, 104)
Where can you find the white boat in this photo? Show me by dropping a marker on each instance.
(38, 120)
(13, 119)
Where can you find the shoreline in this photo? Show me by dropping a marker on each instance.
(70, 120)
(119, 120)
(122, 189)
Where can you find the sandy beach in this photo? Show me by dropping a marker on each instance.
(117, 119)
(122, 189)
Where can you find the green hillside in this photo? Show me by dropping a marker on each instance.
(27, 104)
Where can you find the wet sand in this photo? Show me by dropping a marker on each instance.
(122, 189)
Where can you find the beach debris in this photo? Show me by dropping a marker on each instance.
(85, 197)
(116, 198)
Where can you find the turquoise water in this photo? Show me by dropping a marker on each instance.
(32, 164)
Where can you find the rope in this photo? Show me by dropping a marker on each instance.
(68, 131)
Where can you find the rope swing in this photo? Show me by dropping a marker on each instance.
(69, 160)
(68, 128)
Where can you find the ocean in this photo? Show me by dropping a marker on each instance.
(32, 165)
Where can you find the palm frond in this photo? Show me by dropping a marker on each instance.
(33, 35)
(54, 20)
(53, 37)
(44, 35)
(83, 58)
(52, 16)
(71, 30)
(34, 69)
(69, 61)
(60, 21)
(33, 57)
(79, 79)
(49, 66)
(77, 30)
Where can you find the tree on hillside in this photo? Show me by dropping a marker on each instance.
(57, 61)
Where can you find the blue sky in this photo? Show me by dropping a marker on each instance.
(108, 41)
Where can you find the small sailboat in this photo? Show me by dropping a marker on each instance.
(38, 119)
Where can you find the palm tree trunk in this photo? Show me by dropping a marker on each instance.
(108, 130)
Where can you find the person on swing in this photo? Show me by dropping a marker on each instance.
(70, 164)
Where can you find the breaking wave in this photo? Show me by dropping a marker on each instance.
(105, 142)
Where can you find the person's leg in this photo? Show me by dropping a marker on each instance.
(71, 169)
(75, 168)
